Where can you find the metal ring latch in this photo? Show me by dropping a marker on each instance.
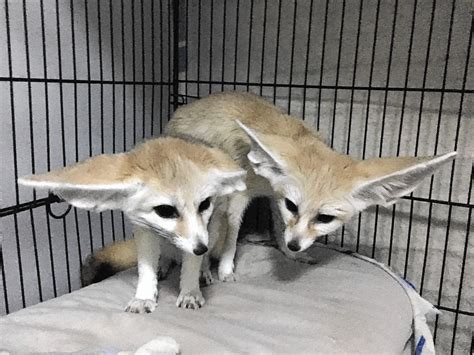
(53, 198)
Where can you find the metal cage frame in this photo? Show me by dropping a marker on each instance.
(175, 88)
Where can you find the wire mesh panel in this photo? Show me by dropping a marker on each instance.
(377, 78)
(78, 78)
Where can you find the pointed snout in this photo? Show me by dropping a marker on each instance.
(200, 249)
(294, 245)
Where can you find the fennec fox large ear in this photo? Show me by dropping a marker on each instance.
(386, 180)
(98, 183)
(264, 162)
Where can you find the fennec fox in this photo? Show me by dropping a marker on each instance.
(168, 188)
(315, 188)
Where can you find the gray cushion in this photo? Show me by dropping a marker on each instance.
(340, 305)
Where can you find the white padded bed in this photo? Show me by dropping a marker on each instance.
(342, 304)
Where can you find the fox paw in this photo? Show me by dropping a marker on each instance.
(226, 272)
(140, 306)
(191, 300)
(227, 277)
(206, 278)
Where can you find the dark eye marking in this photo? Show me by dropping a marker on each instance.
(166, 211)
(204, 205)
(291, 206)
(324, 218)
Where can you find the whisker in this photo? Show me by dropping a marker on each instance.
(171, 237)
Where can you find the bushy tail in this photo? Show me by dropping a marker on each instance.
(108, 261)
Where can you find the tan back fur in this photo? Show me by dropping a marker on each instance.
(296, 162)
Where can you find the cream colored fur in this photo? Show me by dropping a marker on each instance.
(167, 172)
(285, 158)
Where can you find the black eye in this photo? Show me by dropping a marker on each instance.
(291, 206)
(204, 205)
(166, 211)
(324, 218)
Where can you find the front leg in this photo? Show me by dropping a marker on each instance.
(278, 227)
(190, 295)
(236, 208)
(148, 253)
(206, 278)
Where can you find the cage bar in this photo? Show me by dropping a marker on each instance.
(377, 67)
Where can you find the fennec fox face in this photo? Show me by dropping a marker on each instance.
(165, 185)
(318, 190)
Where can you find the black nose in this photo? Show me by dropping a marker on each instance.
(294, 245)
(200, 249)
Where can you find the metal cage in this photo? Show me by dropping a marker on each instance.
(377, 78)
